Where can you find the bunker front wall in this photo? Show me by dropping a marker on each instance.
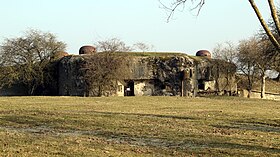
(162, 75)
(150, 75)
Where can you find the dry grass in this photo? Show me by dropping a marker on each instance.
(138, 126)
(271, 86)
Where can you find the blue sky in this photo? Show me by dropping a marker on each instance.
(85, 22)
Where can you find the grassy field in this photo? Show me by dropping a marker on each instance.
(138, 126)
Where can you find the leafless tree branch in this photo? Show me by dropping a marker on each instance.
(264, 24)
(274, 15)
(177, 3)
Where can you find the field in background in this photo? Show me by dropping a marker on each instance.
(271, 86)
(139, 126)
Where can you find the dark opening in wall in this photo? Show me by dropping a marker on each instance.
(191, 73)
(201, 85)
(129, 88)
(208, 75)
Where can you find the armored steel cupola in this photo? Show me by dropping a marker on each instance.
(89, 50)
(203, 53)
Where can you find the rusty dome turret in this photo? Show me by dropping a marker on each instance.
(203, 53)
(89, 50)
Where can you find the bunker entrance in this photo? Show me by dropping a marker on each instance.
(129, 88)
(201, 85)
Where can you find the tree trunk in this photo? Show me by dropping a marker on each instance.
(249, 93)
(264, 25)
(250, 86)
(99, 91)
(31, 90)
(263, 87)
(274, 15)
(217, 85)
(182, 87)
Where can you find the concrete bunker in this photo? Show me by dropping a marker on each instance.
(157, 74)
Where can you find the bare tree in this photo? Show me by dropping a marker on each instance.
(143, 47)
(226, 51)
(112, 45)
(246, 64)
(223, 73)
(103, 70)
(225, 64)
(264, 62)
(198, 4)
(271, 54)
(253, 61)
(24, 59)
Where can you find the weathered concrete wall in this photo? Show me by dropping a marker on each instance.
(209, 85)
(151, 75)
(141, 68)
(144, 88)
(166, 72)
(120, 90)
(71, 78)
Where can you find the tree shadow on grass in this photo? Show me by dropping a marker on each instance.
(146, 115)
(20, 120)
(191, 142)
(244, 147)
(196, 143)
(252, 125)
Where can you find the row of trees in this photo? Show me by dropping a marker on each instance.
(253, 59)
(255, 56)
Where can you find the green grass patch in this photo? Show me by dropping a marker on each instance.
(138, 126)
